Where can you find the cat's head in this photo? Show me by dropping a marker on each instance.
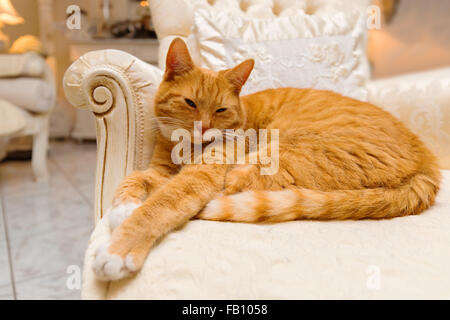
(188, 93)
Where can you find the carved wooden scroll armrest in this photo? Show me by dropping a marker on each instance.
(118, 88)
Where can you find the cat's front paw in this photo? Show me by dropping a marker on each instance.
(127, 250)
(110, 266)
(242, 178)
(118, 214)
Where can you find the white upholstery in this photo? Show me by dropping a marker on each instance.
(118, 88)
(301, 259)
(294, 260)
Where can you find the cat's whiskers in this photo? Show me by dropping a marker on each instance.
(232, 136)
(168, 122)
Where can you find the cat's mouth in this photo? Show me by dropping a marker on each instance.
(174, 129)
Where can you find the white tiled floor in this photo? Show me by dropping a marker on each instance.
(44, 227)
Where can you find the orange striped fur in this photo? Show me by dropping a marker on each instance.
(339, 159)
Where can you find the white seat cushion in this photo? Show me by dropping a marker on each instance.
(32, 94)
(405, 257)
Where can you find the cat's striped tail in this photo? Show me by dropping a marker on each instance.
(413, 197)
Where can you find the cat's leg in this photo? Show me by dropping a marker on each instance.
(131, 193)
(270, 173)
(169, 207)
(249, 177)
(135, 188)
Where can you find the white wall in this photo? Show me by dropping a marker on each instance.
(417, 39)
(28, 10)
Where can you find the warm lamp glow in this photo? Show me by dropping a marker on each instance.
(9, 15)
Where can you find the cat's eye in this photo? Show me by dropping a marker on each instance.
(190, 103)
(221, 110)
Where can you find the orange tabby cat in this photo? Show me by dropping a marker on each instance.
(339, 158)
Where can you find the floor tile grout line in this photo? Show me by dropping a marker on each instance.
(8, 246)
(37, 234)
(3, 196)
(56, 164)
(55, 272)
(86, 199)
(43, 275)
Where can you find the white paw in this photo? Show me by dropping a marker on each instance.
(111, 266)
(118, 214)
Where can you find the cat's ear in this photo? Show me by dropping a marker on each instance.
(178, 60)
(238, 75)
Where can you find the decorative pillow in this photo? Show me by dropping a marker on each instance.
(324, 51)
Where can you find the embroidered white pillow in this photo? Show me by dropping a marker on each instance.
(304, 51)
